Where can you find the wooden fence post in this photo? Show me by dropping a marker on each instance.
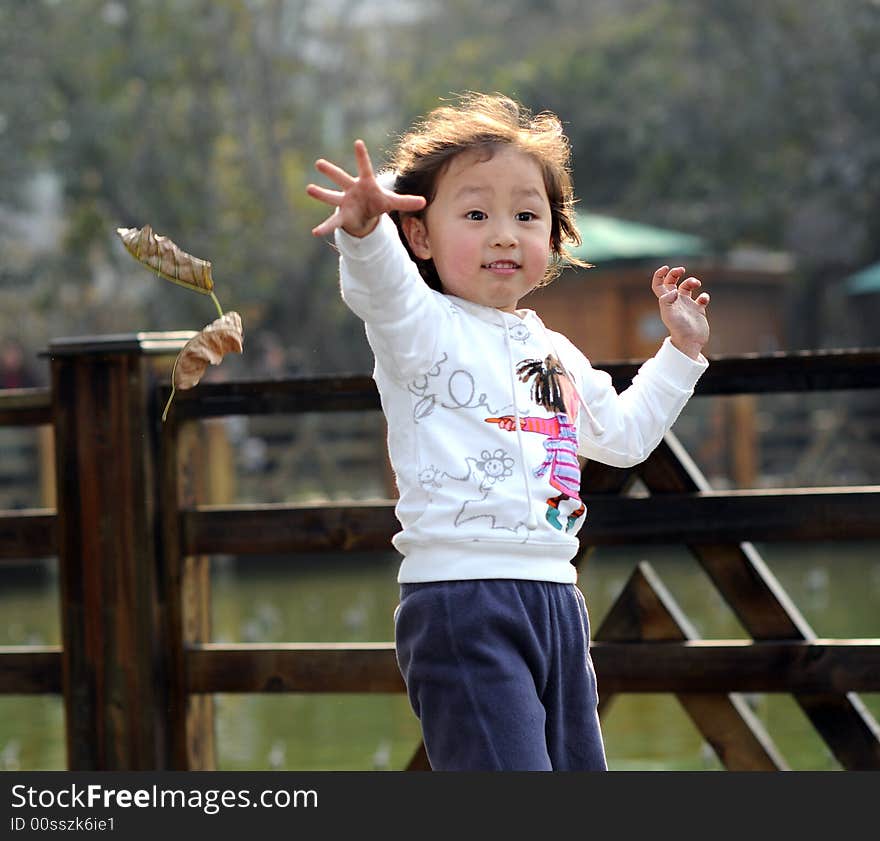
(114, 623)
(187, 588)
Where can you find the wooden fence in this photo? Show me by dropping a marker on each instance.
(132, 535)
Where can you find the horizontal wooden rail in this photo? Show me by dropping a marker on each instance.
(722, 517)
(821, 665)
(28, 533)
(789, 514)
(788, 371)
(818, 370)
(347, 393)
(815, 666)
(30, 669)
(293, 667)
(281, 528)
(786, 514)
(25, 407)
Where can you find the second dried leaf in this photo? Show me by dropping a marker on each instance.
(208, 347)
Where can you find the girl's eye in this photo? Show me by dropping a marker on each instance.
(525, 216)
(475, 215)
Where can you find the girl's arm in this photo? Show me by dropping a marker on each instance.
(631, 424)
(379, 281)
(382, 286)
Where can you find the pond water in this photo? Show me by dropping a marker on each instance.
(308, 599)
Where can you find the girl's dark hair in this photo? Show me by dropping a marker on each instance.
(482, 123)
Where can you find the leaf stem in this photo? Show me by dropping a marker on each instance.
(171, 396)
(217, 304)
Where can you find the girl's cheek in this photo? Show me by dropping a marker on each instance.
(459, 263)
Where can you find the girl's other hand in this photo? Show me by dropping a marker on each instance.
(683, 314)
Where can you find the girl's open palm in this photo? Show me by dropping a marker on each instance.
(360, 201)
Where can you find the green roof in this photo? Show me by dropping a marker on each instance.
(606, 238)
(865, 281)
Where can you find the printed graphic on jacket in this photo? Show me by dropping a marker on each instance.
(552, 389)
(457, 390)
(460, 391)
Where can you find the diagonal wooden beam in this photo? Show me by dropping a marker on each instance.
(645, 610)
(766, 612)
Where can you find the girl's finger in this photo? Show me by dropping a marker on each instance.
(666, 279)
(407, 202)
(362, 156)
(333, 197)
(670, 296)
(330, 224)
(338, 176)
(686, 287)
(657, 279)
(703, 299)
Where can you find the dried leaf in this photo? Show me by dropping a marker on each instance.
(168, 259)
(221, 336)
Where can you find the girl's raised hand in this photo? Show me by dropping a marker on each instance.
(360, 201)
(683, 314)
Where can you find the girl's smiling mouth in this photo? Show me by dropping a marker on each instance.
(502, 266)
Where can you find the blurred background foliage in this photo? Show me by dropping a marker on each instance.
(744, 122)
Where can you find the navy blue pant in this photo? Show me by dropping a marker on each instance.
(500, 675)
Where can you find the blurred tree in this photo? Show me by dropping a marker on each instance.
(739, 121)
(744, 122)
(193, 116)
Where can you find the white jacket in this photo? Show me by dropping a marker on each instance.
(483, 426)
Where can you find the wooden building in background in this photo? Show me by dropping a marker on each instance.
(610, 313)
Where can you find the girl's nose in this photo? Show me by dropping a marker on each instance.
(503, 236)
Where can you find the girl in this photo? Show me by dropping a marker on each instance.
(492, 633)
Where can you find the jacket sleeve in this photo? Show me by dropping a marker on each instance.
(381, 284)
(628, 426)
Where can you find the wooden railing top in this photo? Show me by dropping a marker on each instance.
(790, 371)
(799, 371)
(164, 343)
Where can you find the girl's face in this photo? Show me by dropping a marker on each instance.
(487, 229)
